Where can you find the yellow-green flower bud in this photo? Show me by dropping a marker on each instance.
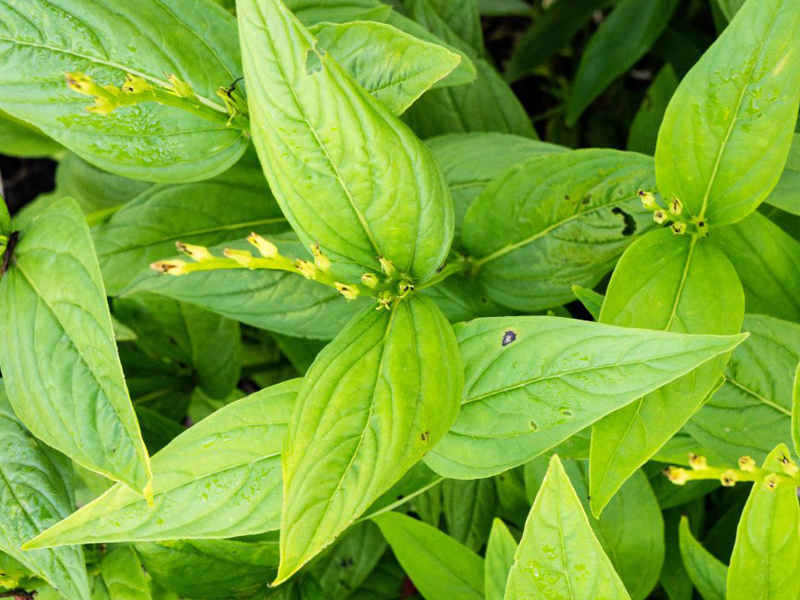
(747, 464)
(698, 463)
(243, 257)
(322, 262)
(789, 466)
(136, 85)
(81, 83)
(385, 300)
(196, 253)
(677, 475)
(771, 481)
(405, 288)
(170, 267)
(678, 228)
(266, 248)
(180, 88)
(306, 269)
(675, 205)
(728, 478)
(702, 227)
(648, 200)
(387, 266)
(660, 216)
(369, 280)
(103, 106)
(350, 292)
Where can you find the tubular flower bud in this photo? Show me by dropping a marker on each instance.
(266, 248)
(789, 466)
(384, 300)
(322, 262)
(675, 206)
(677, 475)
(82, 83)
(648, 200)
(387, 266)
(369, 280)
(702, 227)
(170, 267)
(243, 257)
(405, 288)
(135, 85)
(660, 216)
(103, 106)
(350, 292)
(698, 463)
(771, 481)
(180, 88)
(747, 464)
(196, 253)
(306, 269)
(678, 227)
(728, 478)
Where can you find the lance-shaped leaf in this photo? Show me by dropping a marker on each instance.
(683, 284)
(554, 222)
(207, 213)
(273, 300)
(220, 478)
(621, 40)
(730, 122)
(439, 566)
(471, 160)
(123, 576)
(393, 66)
(36, 491)
(767, 260)
(796, 411)
(786, 194)
(377, 398)
(468, 508)
(765, 564)
(752, 410)
(148, 38)
(707, 572)
(531, 382)
(351, 177)
(57, 350)
(643, 133)
(500, 551)
(559, 555)
(210, 568)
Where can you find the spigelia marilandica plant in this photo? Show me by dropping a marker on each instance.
(314, 313)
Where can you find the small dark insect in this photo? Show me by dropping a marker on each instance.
(347, 562)
(440, 269)
(425, 436)
(508, 337)
(12, 243)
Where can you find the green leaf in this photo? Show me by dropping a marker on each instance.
(186, 334)
(707, 573)
(643, 133)
(796, 411)
(208, 213)
(377, 398)
(471, 160)
(469, 507)
(752, 410)
(532, 382)
(440, 567)
(338, 180)
(220, 478)
(550, 33)
(36, 490)
(503, 8)
(559, 555)
(123, 576)
(767, 261)
(729, 123)
(730, 7)
(18, 138)
(682, 284)
(210, 568)
(499, 560)
(621, 40)
(556, 221)
(765, 564)
(311, 12)
(273, 300)
(456, 21)
(57, 350)
(393, 66)
(149, 38)
(462, 299)
(591, 300)
(786, 194)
